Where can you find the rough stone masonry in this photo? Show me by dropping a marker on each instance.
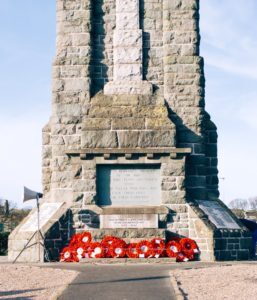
(129, 97)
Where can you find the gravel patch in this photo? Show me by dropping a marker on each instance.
(218, 283)
(31, 282)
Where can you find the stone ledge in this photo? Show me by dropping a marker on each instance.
(128, 260)
(129, 235)
(160, 150)
(103, 100)
(135, 210)
(127, 87)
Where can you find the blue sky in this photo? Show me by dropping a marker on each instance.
(27, 46)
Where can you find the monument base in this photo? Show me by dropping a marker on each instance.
(215, 244)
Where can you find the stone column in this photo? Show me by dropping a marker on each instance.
(184, 86)
(71, 95)
(128, 52)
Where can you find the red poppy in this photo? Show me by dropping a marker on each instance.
(181, 257)
(132, 250)
(189, 247)
(81, 250)
(75, 239)
(106, 243)
(145, 249)
(158, 247)
(96, 250)
(118, 249)
(173, 248)
(86, 237)
(68, 254)
(175, 238)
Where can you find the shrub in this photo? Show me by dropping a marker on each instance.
(3, 242)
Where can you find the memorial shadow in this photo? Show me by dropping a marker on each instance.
(195, 164)
(98, 68)
(146, 39)
(184, 134)
(121, 280)
(19, 298)
(19, 293)
(89, 218)
(103, 183)
(59, 235)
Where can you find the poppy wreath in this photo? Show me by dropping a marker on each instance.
(81, 246)
(173, 248)
(85, 237)
(86, 250)
(96, 250)
(75, 239)
(68, 255)
(181, 257)
(118, 249)
(106, 243)
(158, 247)
(132, 250)
(189, 247)
(145, 249)
(81, 250)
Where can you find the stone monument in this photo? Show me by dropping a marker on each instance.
(129, 149)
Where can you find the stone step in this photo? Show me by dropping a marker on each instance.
(129, 235)
(163, 260)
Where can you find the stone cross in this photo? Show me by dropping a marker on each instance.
(128, 52)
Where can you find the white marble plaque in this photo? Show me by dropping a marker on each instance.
(129, 221)
(218, 215)
(128, 185)
(47, 211)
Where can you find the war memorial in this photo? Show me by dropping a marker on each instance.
(129, 149)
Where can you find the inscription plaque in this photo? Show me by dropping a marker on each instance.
(218, 215)
(128, 185)
(129, 221)
(47, 210)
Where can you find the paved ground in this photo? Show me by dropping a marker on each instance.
(123, 282)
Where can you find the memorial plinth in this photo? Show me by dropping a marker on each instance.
(130, 150)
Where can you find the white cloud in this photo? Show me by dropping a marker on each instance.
(229, 41)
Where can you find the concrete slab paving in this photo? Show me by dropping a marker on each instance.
(126, 282)
(123, 282)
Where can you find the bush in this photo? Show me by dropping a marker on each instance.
(239, 213)
(3, 242)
